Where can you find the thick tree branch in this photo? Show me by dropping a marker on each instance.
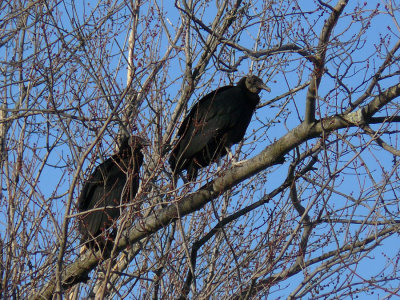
(264, 200)
(272, 155)
(319, 60)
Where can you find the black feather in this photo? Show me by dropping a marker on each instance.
(112, 184)
(216, 122)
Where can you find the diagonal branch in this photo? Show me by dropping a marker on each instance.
(376, 136)
(264, 200)
(375, 79)
(331, 258)
(270, 156)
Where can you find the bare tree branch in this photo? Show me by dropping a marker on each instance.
(319, 60)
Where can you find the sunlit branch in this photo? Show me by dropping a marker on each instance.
(271, 155)
(319, 61)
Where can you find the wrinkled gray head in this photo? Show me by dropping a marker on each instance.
(135, 142)
(253, 84)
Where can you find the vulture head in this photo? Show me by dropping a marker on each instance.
(253, 84)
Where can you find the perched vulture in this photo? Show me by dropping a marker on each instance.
(215, 123)
(112, 184)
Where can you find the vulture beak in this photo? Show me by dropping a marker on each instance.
(139, 141)
(264, 87)
(144, 142)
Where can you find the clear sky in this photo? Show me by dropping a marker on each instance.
(265, 127)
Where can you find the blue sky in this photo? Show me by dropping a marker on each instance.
(281, 74)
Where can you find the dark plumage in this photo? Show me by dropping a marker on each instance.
(107, 186)
(215, 123)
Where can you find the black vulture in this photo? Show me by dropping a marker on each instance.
(112, 184)
(215, 123)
